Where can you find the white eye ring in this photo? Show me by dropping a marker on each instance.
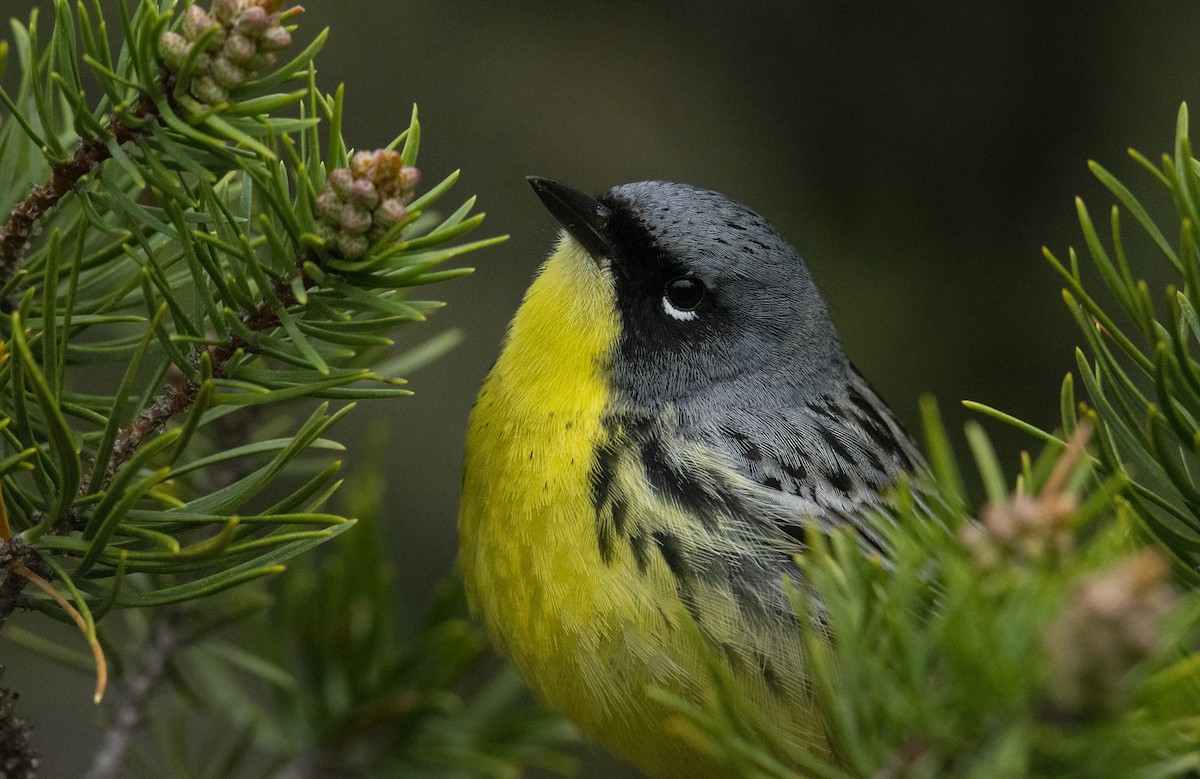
(675, 313)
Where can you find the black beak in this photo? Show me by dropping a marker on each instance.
(585, 218)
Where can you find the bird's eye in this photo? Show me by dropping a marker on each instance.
(682, 297)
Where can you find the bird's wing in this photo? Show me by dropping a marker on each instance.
(823, 462)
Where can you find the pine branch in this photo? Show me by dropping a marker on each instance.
(183, 394)
(89, 154)
(167, 635)
(18, 760)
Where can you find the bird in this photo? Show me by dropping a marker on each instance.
(671, 412)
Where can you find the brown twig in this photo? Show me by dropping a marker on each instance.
(89, 154)
(179, 398)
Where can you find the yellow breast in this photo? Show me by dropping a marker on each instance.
(589, 636)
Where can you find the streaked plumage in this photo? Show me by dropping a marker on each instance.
(630, 459)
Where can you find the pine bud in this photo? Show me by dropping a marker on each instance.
(340, 180)
(240, 49)
(1110, 624)
(227, 74)
(361, 163)
(409, 178)
(225, 11)
(352, 246)
(327, 232)
(207, 90)
(196, 22)
(253, 21)
(173, 48)
(390, 212)
(274, 38)
(354, 219)
(362, 193)
(328, 207)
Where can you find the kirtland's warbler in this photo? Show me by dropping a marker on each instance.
(670, 411)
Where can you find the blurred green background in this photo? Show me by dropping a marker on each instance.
(918, 154)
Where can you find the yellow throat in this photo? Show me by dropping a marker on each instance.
(589, 636)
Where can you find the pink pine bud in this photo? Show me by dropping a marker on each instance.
(409, 177)
(240, 50)
(362, 193)
(275, 38)
(340, 180)
(352, 246)
(196, 22)
(361, 164)
(354, 220)
(253, 21)
(389, 212)
(328, 207)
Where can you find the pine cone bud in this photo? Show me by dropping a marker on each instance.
(240, 49)
(354, 219)
(227, 74)
(247, 33)
(362, 193)
(225, 11)
(173, 49)
(352, 246)
(389, 212)
(409, 178)
(1110, 623)
(361, 163)
(196, 22)
(328, 207)
(253, 21)
(1023, 529)
(326, 231)
(340, 180)
(274, 38)
(356, 206)
(207, 90)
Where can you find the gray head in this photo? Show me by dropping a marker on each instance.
(712, 299)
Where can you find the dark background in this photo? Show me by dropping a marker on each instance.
(918, 154)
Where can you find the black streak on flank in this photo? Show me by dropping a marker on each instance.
(876, 427)
(637, 542)
(839, 479)
(676, 560)
(769, 675)
(620, 512)
(604, 539)
(702, 499)
(835, 444)
(745, 445)
(668, 547)
(603, 472)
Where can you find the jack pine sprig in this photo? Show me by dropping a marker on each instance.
(1059, 659)
(362, 202)
(350, 689)
(1136, 366)
(222, 49)
(158, 291)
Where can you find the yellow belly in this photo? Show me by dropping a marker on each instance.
(589, 637)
